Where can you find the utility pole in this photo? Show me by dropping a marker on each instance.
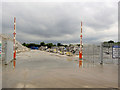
(14, 41)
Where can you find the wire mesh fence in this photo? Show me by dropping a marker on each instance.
(91, 53)
(96, 53)
(107, 56)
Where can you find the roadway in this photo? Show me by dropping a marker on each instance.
(39, 69)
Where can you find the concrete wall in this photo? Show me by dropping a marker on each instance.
(8, 51)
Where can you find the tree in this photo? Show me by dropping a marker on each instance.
(70, 45)
(49, 45)
(42, 44)
(110, 41)
(31, 45)
(65, 45)
(54, 45)
(59, 44)
(24, 44)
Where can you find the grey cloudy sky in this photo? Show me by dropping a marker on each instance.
(60, 21)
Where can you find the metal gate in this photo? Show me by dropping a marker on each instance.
(107, 54)
(91, 53)
(98, 53)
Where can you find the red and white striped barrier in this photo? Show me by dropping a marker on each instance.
(80, 52)
(14, 40)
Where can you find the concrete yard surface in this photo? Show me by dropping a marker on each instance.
(40, 69)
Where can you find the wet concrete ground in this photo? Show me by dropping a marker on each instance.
(39, 69)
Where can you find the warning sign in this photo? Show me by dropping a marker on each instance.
(116, 52)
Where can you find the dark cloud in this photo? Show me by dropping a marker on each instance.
(58, 22)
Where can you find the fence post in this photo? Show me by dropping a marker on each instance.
(93, 52)
(101, 53)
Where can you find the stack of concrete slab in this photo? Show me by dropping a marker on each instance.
(20, 47)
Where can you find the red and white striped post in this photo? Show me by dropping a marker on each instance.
(14, 40)
(80, 52)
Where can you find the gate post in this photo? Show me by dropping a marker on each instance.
(101, 53)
